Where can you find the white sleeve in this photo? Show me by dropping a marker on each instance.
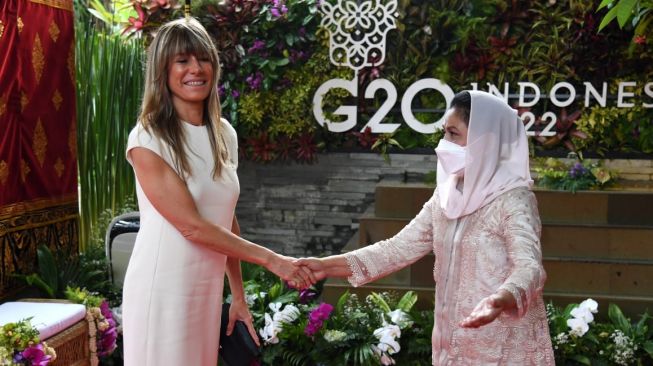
(139, 137)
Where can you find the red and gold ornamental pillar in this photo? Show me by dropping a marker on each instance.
(38, 164)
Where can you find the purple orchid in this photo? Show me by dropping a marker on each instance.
(258, 45)
(317, 317)
(306, 295)
(255, 80)
(35, 356)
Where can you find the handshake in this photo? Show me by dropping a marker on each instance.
(302, 273)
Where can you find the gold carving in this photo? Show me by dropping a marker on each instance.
(59, 167)
(3, 105)
(55, 225)
(23, 101)
(57, 99)
(54, 31)
(19, 24)
(40, 142)
(38, 58)
(60, 4)
(72, 139)
(4, 172)
(2, 28)
(71, 62)
(24, 170)
(34, 205)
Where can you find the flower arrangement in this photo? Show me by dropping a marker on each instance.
(556, 174)
(576, 336)
(297, 328)
(104, 330)
(20, 345)
(351, 332)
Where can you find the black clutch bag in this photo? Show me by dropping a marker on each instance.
(239, 348)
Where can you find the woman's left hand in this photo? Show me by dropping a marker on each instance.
(485, 312)
(239, 311)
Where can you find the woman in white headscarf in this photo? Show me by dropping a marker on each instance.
(483, 225)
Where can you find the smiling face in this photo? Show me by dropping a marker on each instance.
(455, 128)
(190, 80)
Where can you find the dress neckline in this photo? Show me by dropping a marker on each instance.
(193, 125)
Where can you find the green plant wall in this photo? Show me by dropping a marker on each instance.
(109, 87)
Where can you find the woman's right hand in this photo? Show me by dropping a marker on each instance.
(315, 265)
(288, 270)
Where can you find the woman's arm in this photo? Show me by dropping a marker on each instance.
(170, 197)
(520, 222)
(375, 261)
(233, 271)
(238, 309)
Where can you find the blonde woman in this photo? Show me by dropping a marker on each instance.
(185, 157)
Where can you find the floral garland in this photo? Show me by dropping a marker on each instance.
(103, 331)
(20, 345)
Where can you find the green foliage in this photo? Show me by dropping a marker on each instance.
(116, 16)
(273, 63)
(109, 88)
(17, 336)
(555, 174)
(616, 129)
(55, 274)
(638, 12)
(346, 336)
(83, 296)
(616, 342)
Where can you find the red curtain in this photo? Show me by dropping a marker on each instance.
(38, 165)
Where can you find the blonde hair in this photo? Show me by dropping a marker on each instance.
(158, 115)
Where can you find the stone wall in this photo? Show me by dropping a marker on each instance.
(313, 209)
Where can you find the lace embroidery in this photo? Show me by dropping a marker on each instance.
(499, 249)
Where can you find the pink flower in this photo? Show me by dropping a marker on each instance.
(317, 317)
(136, 23)
(36, 356)
(640, 39)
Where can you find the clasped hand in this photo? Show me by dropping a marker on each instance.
(299, 273)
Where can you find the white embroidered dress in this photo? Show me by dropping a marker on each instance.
(485, 238)
(496, 247)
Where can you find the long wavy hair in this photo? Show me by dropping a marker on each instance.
(158, 115)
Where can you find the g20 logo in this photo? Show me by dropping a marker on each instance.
(375, 123)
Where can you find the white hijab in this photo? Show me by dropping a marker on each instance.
(496, 160)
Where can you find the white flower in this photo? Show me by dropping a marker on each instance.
(274, 323)
(389, 344)
(590, 305)
(427, 29)
(578, 327)
(400, 318)
(386, 336)
(275, 306)
(561, 338)
(270, 331)
(388, 330)
(288, 315)
(250, 299)
(332, 335)
(582, 313)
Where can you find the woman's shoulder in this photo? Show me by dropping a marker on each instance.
(516, 199)
(227, 127)
(141, 134)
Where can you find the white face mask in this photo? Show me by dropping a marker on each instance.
(451, 157)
